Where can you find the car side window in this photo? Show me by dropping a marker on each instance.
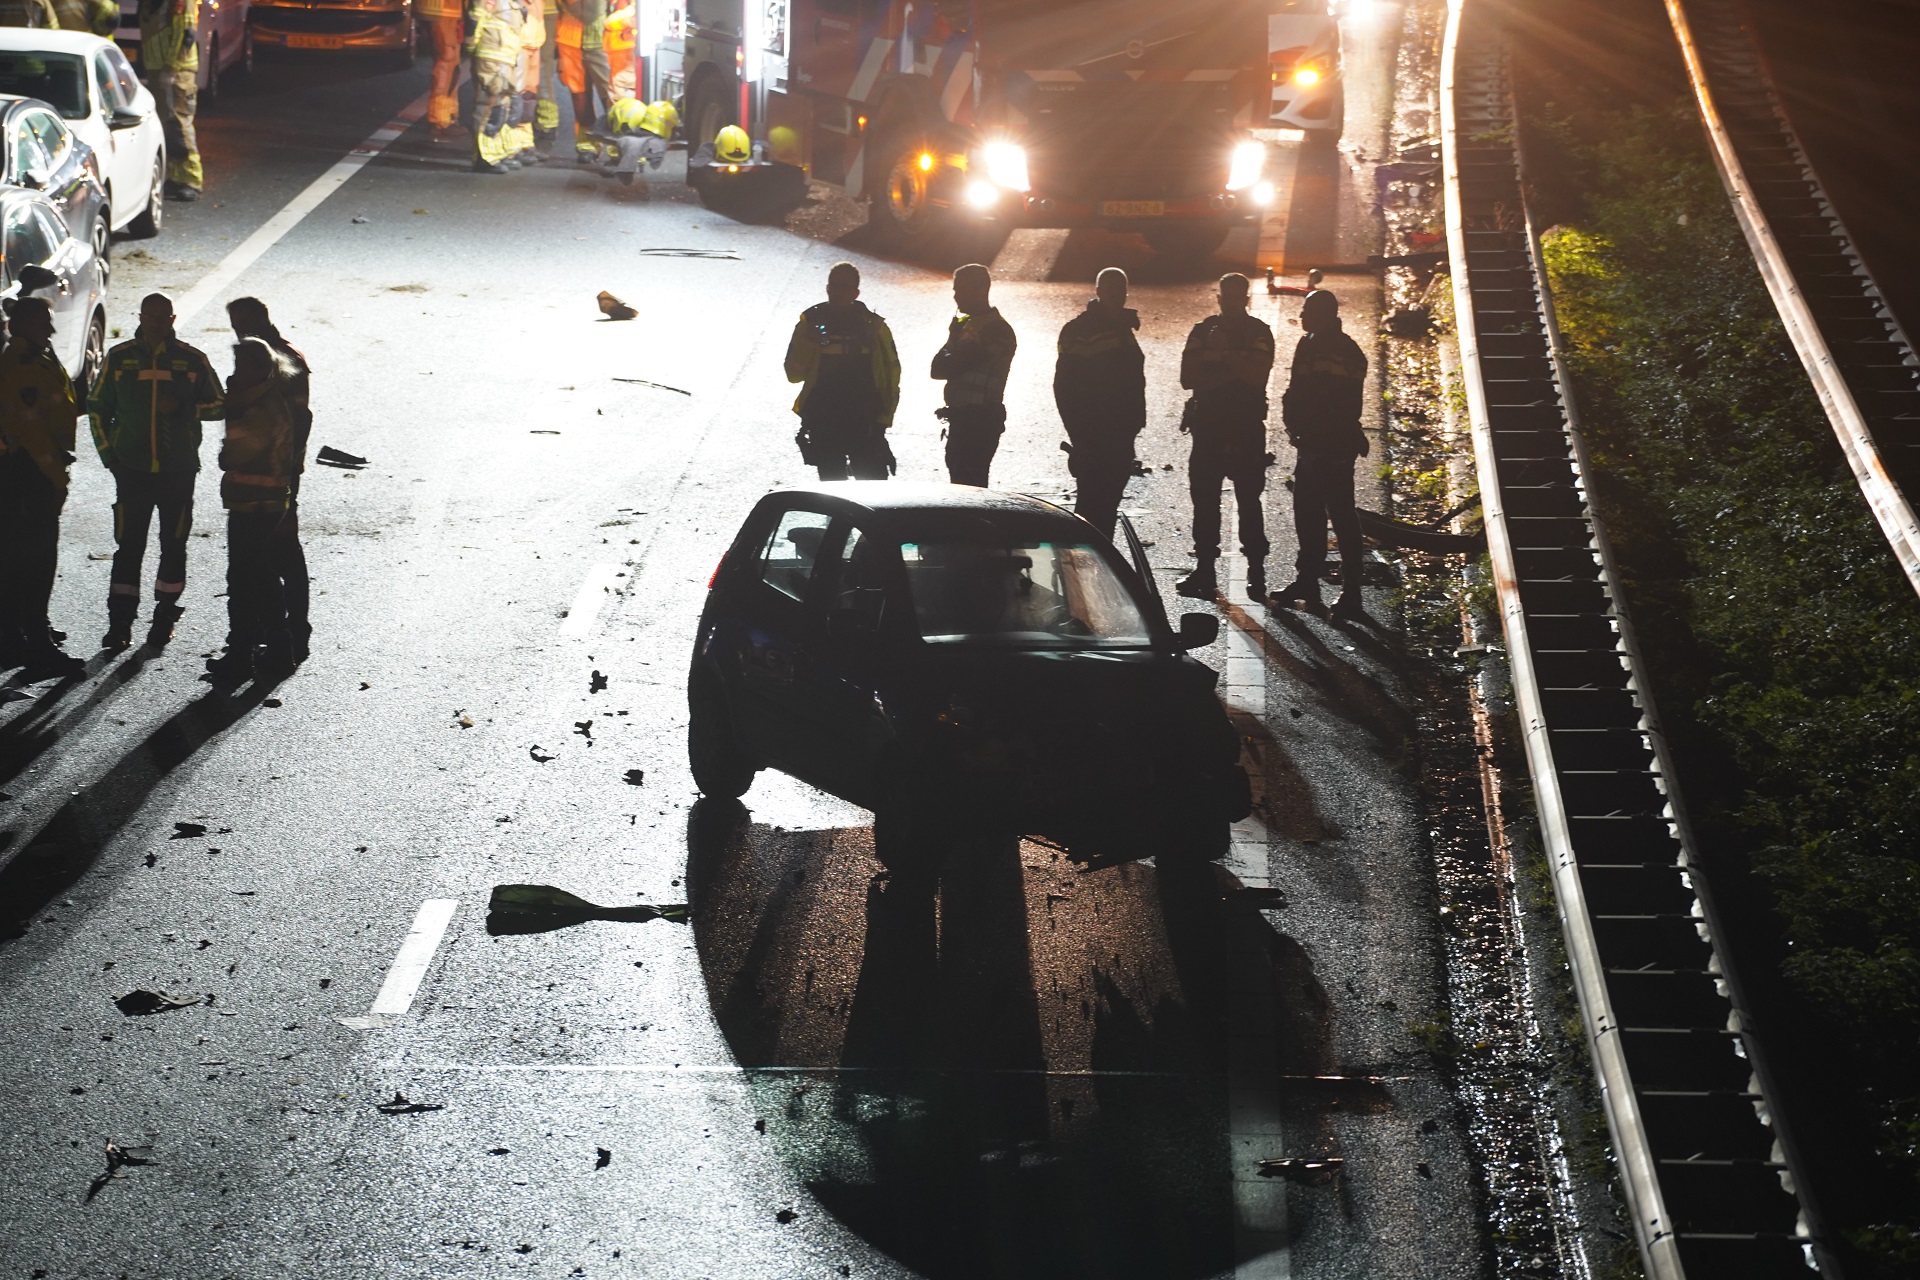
(125, 79)
(26, 240)
(52, 230)
(860, 582)
(788, 560)
(106, 93)
(29, 154)
(53, 136)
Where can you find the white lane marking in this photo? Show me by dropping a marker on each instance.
(735, 1069)
(602, 581)
(250, 250)
(410, 964)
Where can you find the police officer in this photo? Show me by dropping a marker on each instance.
(257, 461)
(250, 319)
(973, 364)
(1321, 410)
(1100, 388)
(170, 56)
(147, 405)
(37, 416)
(842, 355)
(1226, 363)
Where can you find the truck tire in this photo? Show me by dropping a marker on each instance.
(1187, 241)
(721, 769)
(709, 110)
(900, 208)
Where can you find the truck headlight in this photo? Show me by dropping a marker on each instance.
(1006, 165)
(1249, 162)
(1306, 77)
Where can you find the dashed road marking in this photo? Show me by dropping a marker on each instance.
(602, 581)
(410, 965)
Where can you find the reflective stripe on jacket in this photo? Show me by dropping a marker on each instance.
(38, 410)
(975, 360)
(1099, 379)
(496, 26)
(168, 38)
(1321, 406)
(845, 360)
(148, 404)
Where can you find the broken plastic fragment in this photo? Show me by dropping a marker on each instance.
(603, 1158)
(333, 457)
(1306, 1172)
(614, 309)
(136, 1004)
(635, 777)
(187, 830)
(403, 1106)
(534, 751)
(596, 682)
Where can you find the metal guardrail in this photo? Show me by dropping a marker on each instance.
(1706, 1177)
(1856, 355)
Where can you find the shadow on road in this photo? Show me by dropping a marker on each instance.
(1016, 1069)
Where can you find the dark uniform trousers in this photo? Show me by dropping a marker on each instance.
(256, 613)
(29, 545)
(138, 495)
(1323, 495)
(842, 450)
(290, 566)
(1222, 453)
(1100, 475)
(973, 437)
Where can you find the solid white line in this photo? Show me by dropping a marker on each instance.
(602, 581)
(735, 1069)
(250, 250)
(410, 964)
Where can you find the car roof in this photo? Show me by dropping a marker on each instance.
(44, 40)
(905, 497)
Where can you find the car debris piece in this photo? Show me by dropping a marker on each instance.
(658, 386)
(635, 777)
(333, 457)
(534, 752)
(139, 1003)
(725, 255)
(584, 728)
(187, 831)
(613, 308)
(596, 682)
(603, 1158)
(404, 1106)
(541, 908)
(1305, 1172)
(119, 1157)
(785, 1216)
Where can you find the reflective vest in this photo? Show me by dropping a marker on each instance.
(148, 404)
(496, 30)
(845, 358)
(168, 38)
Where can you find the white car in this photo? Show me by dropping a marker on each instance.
(93, 87)
(1303, 56)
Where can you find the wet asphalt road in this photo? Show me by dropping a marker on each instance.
(1038, 1072)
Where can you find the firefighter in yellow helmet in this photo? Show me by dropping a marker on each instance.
(170, 56)
(640, 132)
(494, 46)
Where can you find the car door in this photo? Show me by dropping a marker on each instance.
(56, 165)
(33, 236)
(123, 162)
(842, 667)
(781, 617)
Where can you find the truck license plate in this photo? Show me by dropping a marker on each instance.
(315, 42)
(1132, 208)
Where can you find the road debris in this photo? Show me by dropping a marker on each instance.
(614, 309)
(603, 1158)
(405, 1106)
(658, 386)
(1304, 1172)
(634, 777)
(139, 1003)
(118, 1158)
(534, 752)
(585, 729)
(541, 908)
(596, 682)
(187, 831)
(462, 719)
(721, 255)
(333, 457)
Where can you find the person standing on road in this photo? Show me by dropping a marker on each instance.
(526, 98)
(842, 355)
(1100, 388)
(250, 320)
(493, 42)
(546, 112)
(1321, 410)
(170, 56)
(39, 14)
(100, 17)
(974, 364)
(257, 465)
(37, 416)
(1226, 364)
(580, 41)
(147, 405)
(446, 19)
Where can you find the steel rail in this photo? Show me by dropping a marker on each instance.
(1706, 1182)
(1861, 365)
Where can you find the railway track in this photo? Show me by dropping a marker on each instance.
(1704, 1164)
(1854, 351)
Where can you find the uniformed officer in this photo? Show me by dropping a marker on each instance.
(153, 393)
(257, 461)
(170, 56)
(1321, 410)
(1100, 388)
(1227, 361)
(842, 355)
(250, 319)
(37, 417)
(974, 364)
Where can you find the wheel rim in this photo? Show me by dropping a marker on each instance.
(96, 353)
(157, 198)
(906, 193)
(102, 249)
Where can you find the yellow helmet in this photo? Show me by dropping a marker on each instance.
(784, 143)
(733, 146)
(662, 118)
(627, 115)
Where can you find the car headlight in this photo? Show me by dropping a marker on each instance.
(1249, 162)
(1306, 77)
(1006, 165)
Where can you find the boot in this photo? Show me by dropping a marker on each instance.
(44, 660)
(1256, 580)
(120, 614)
(1304, 589)
(272, 663)
(232, 666)
(1349, 607)
(1200, 584)
(482, 166)
(165, 614)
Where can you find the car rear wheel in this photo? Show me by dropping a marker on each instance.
(96, 351)
(720, 768)
(405, 56)
(147, 224)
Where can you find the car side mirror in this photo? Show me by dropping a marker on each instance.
(124, 119)
(1198, 630)
(33, 276)
(35, 179)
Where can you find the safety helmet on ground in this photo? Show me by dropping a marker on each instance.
(784, 143)
(733, 146)
(627, 116)
(662, 119)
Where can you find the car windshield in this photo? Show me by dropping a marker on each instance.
(1025, 594)
(56, 78)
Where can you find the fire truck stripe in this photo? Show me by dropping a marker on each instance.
(870, 66)
(959, 87)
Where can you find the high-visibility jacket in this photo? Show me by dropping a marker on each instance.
(1099, 378)
(1226, 363)
(101, 17)
(149, 402)
(260, 455)
(431, 9)
(37, 409)
(619, 33)
(845, 360)
(975, 359)
(582, 23)
(497, 30)
(533, 26)
(169, 41)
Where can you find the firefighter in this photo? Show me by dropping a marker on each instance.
(1100, 388)
(640, 132)
(520, 138)
(974, 363)
(100, 17)
(580, 41)
(147, 405)
(842, 355)
(494, 45)
(446, 20)
(546, 113)
(1321, 411)
(170, 56)
(1227, 361)
(37, 416)
(28, 13)
(257, 466)
(250, 319)
(619, 36)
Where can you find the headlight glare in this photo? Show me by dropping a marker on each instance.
(1249, 162)
(1006, 165)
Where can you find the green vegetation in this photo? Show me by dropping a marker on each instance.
(1783, 641)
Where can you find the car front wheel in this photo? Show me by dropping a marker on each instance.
(103, 250)
(96, 352)
(720, 768)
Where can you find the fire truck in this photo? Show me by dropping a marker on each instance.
(1139, 115)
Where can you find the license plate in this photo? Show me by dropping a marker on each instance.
(315, 42)
(1132, 208)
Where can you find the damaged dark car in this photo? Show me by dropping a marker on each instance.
(961, 661)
